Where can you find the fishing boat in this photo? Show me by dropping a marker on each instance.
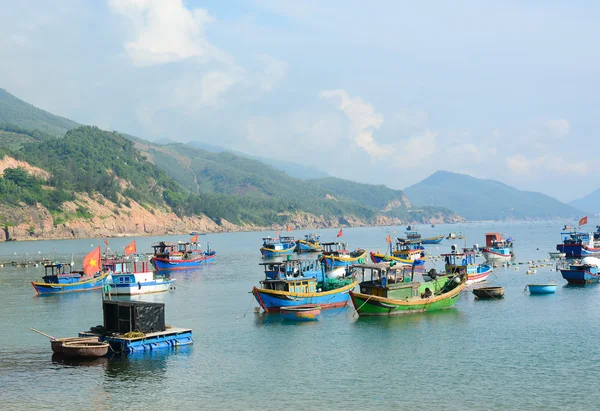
(454, 236)
(310, 244)
(389, 290)
(542, 288)
(386, 258)
(583, 272)
(406, 253)
(132, 278)
(578, 244)
(177, 256)
(484, 293)
(308, 312)
(336, 254)
(293, 283)
(57, 343)
(497, 249)
(464, 262)
(277, 246)
(60, 278)
(433, 240)
(85, 349)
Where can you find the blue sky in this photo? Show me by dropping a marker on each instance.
(380, 92)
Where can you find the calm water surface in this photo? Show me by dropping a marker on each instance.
(522, 352)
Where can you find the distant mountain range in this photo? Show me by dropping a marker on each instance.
(590, 203)
(479, 199)
(80, 179)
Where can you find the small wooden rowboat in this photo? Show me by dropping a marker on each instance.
(307, 312)
(57, 343)
(542, 288)
(85, 349)
(489, 292)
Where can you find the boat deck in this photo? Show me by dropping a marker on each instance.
(171, 337)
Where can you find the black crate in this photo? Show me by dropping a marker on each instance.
(124, 316)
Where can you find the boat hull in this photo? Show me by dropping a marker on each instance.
(383, 258)
(577, 250)
(481, 275)
(492, 257)
(579, 276)
(542, 288)
(95, 283)
(370, 305)
(272, 301)
(147, 287)
(306, 247)
(270, 253)
(332, 262)
(167, 264)
(433, 240)
(301, 313)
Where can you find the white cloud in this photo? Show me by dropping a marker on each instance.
(363, 121)
(273, 71)
(558, 128)
(546, 163)
(165, 31)
(416, 149)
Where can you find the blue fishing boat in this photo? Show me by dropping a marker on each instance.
(277, 246)
(464, 262)
(128, 277)
(179, 256)
(432, 240)
(293, 283)
(578, 244)
(336, 254)
(542, 288)
(407, 253)
(60, 278)
(310, 244)
(582, 273)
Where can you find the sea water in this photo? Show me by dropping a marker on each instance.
(521, 352)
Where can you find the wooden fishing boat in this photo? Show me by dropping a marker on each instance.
(336, 254)
(310, 244)
(433, 240)
(464, 262)
(60, 278)
(542, 288)
(85, 349)
(584, 272)
(277, 246)
(179, 256)
(308, 312)
(390, 291)
(132, 278)
(386, 258)
(57, 343)
(488, 292)
(295, 283)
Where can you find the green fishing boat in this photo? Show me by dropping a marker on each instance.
(388, 289)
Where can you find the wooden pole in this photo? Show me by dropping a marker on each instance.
(45, 335)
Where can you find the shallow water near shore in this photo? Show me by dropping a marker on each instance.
(520, 352)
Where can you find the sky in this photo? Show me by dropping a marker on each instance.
(382, 92)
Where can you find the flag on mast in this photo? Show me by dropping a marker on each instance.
(583, 220)
(340, 233)
(91, 262)
(131, 248)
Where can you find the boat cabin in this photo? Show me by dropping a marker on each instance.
(579, 238)
(288, 239)
(175, 251)
(335, 248)
(387, 280)
(413, 236)
(119, 265)
(407, 249)
(60, 273)
(458, 262)
(495, 240)
(295, 276)
(312, 238)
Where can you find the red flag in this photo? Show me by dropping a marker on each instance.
(194, 239)
(388, 239)
(131, 248)
(91, 262)
(340, 233)
(288, 228)
(278, 231)
(106, 242)
(583, 220)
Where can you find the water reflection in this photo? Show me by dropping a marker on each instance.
(448, 316)
(151, 365)
(61, 359)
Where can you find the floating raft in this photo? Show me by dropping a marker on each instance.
(170, 338)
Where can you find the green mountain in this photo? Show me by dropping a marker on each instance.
(590, 203)
(61, 163)
(478, 199)
(24, 115)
